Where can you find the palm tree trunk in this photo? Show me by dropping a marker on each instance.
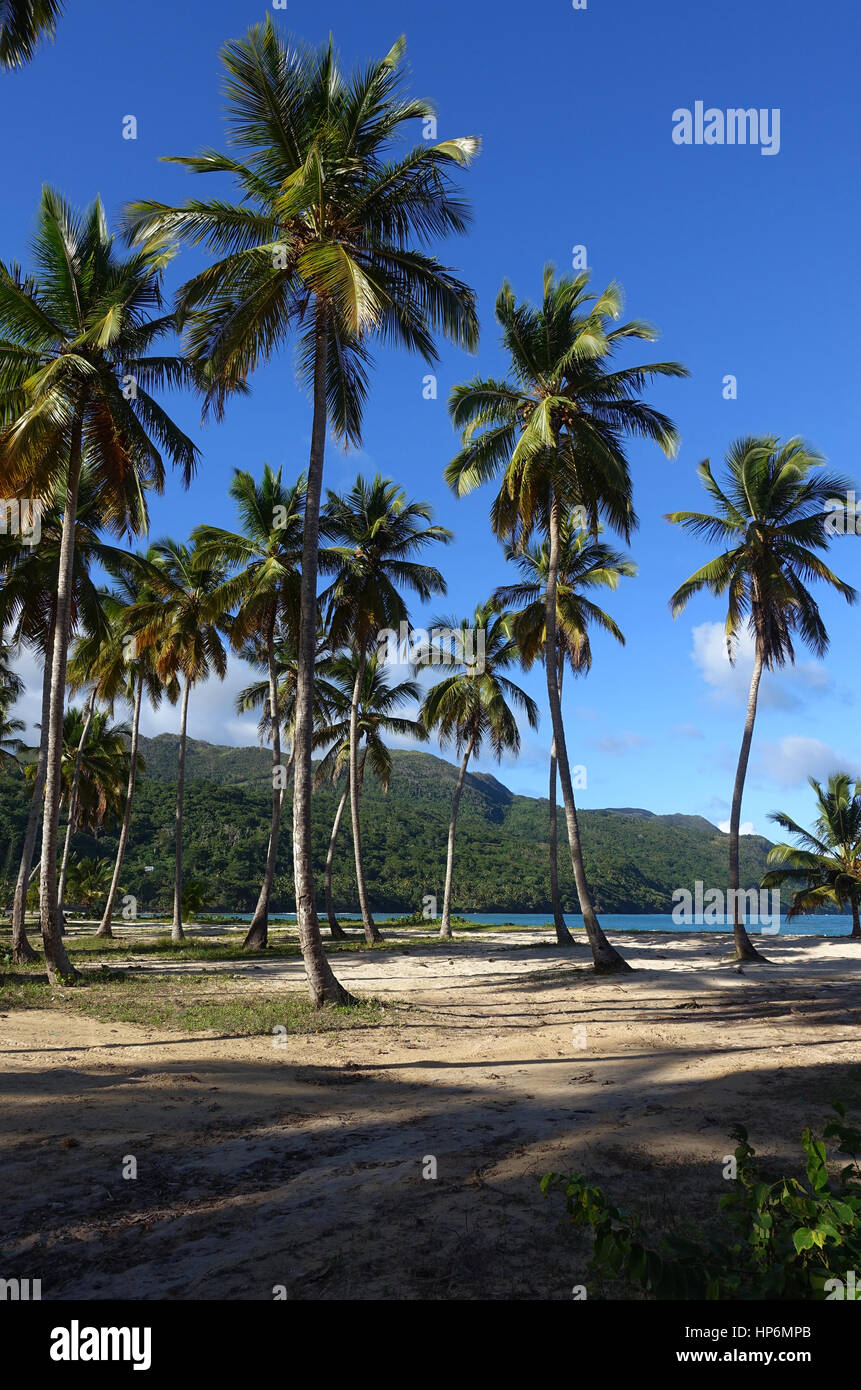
(56, 959)
(22, 951)
(324, 988)
(334, 925)
(744, 947)
(606, 958)
(105, 924)
(176, 933)
(563, 935)
(257, 936)
(73, 801)
(445, 929)
(372, 931)
(856, 919)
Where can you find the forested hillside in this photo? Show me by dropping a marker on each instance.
(634, 859)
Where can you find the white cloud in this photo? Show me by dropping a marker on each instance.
(617, 747)
(779, 690)
(746, 828)
(795, 758)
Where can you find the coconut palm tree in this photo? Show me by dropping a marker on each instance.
(376, 532)
(77, 368)
(10, 744)
(770, 514)
(825, 867)
(555, 431)
(122, 673)
(376, 715)
(23, 25)
(88, 881)
(182, 626)
(476, 702)
(585, 563)
(266, 556)
(326, 248)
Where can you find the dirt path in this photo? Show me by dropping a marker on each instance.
(302, 1167)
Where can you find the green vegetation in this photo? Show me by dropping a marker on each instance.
(791, 1239)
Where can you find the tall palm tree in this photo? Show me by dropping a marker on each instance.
(584, 563)
(266, 555)
(770, 513)
(825, 867)
(76, 365)
(121, 672)
(476, 702)
(376, 715)
(556, 430)
(376, 531)
(28, 604)
(23, 25)
(183, 626)
(324, 247)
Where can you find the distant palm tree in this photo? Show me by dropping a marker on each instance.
(325, 245)
(10, 744)
(266, 554)
(23, 24)
(556, 431)
(825, 867)
(376, 532)
(584, 563)
(476, 703)
(76, 344)
(377, 703)
(771, 514)
(184, 628)
(88, 881)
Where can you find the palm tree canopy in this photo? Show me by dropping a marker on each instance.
(771, 514)
(378, 702)
(584, 563)
(376, 532)
(477, 700)
(23, 25)
(331, 214)
(563, 414)
(825, 864)
(77, 340)
(181, 623)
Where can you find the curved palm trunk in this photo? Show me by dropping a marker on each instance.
(856, 919)
(324, 988)
(73, 802)
(176, 932)
(606, 958)
(334, 925)
(257, 936)
(56, 959)
(22, 951)
(445, 929)
(105, 924)
(744, 947)
(563, 935)
(372, 931)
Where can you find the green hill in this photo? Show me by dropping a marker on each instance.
(634, 858)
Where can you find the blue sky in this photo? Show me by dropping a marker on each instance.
(744, 262)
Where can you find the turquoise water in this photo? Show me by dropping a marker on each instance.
(836, 925)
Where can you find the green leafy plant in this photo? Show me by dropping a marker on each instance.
(790, 1239)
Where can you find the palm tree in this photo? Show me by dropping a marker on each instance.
(584, 563)
(474, 703)
(771, 514)
(76, 366)
(266, 555)
(556, 431)
(324, 246)
(376, 531)
(377, 703)
(826, 866)
(88, 881)
(10, 744)
(121, 672)
(183, 627)
(28, 605)
(23, 24)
